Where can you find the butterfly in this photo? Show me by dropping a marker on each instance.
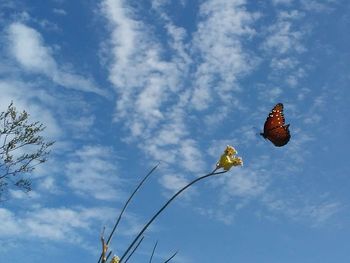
(275, 129)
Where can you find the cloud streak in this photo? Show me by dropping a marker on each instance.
(156, 93)
(161, 97)
(27, 46)
(218, 46)
(55, 224)
(92, 171)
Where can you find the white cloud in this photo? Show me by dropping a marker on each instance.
(60, 11)
(82, 126)
(271, 94)
(154, 102)
(191, 156)
(303, 93)
(245, 183)
(314, 114)
(323, 212)
(175, 33)
(142, 79)
(9, 226)
(18, 194)
(158, 96)
(297, 150)
(218, 45)
(284, 2)
(284, 63)
(93, 172)
(134, 49)
(76, 226)
(48, 184)
(59, 224)
(284, 44)
(27, 46)
(8, 4)
(283, 37)
(314, 213)
(173, 182)
(17, 91)
(318, 6)
(219, 215)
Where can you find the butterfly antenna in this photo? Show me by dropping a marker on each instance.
(257, 132)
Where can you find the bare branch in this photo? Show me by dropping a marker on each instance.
(104, 249)
(21, 148)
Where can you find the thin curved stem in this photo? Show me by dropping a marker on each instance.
(109, 254)
(132, 252)
(126, 204)
(128, 201)
(164, 206)
(154, 249)
(166, 261)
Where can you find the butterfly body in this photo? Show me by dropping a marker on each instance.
(275, 129)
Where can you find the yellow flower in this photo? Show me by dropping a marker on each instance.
(230, 150)
(228, 159)
(115, 259)
(237, 161)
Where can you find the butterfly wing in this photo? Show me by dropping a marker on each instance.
(275, 129)
(275, 118)
(279, 136)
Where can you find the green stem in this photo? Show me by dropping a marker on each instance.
(126, 204)
(138, 244)
(154, 249)
(164, 206)
(168, 260)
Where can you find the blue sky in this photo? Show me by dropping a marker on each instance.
(122, 85)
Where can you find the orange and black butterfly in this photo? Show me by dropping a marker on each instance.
(275, 129)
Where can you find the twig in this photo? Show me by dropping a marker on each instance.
(104, 248)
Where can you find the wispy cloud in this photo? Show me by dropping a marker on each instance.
(245, 183)
(283, 45)
(221, 63)
(92, 171)
(166, 90)
(319, 6)
(18, 194)
(27, 46)
(316, 214)
(270, 94)
(282, 36)
(146, 87)
(151, 100)
(35, 103)
(59, 11)
(173, 182)
(282, 2)
(218, 215)
(157, 92)
(59, 224)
